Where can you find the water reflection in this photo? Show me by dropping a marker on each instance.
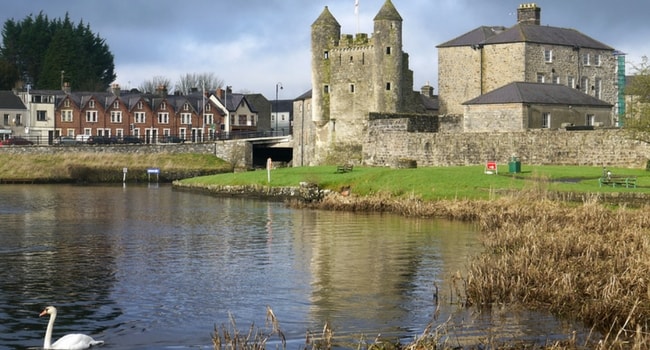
(146, 267)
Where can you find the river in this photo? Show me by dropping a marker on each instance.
(149, 267)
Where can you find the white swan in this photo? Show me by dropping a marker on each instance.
(69, 341)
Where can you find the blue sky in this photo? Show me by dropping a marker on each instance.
(254, 44)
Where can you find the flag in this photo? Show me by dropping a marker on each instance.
(356, 7)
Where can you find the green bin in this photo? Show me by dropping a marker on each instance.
(514, 166)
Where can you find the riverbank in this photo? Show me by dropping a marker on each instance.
(80, 167)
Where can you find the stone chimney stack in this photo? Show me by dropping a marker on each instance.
(66, 88)
(115, 89)
(427, 90)
(529, 14)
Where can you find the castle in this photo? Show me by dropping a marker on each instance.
(352, 76)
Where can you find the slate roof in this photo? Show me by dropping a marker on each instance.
(538, 93)
(9, 100)
(528, 33)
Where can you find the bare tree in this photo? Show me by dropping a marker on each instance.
(197, 82)
(637, 92)
(150, 86)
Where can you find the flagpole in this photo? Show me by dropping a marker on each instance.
(356, 13)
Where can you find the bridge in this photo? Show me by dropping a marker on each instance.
(266, 144)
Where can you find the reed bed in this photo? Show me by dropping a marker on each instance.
(588, 262)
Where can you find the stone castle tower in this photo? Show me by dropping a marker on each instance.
(351, 77)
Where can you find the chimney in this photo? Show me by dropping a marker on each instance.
(161, 91)
(529, 14)
(427, 90)
(66, 88)
(115, 89)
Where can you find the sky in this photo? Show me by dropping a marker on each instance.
(256, 46)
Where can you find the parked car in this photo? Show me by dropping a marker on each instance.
(82, 138)
(19, 141)
(65, 141)
(131, 139)
(101, 140)
(172, 139)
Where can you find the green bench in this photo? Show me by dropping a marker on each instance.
(618, 180)
(344, 168)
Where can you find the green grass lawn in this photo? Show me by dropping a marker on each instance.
(430, 183)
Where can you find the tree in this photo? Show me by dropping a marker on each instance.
(153, 84)
(8, 75)
(41, 49)
(637, 101)
(193, 81)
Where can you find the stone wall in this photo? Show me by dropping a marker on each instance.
(238, 151)
(388, 142)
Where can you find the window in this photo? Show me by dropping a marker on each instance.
(186, 107)
(598, 84)
(326, 89)
(388, 50)
(18, 120)
(388, 86)
(584, 85)
(6, 119)
(571, 81)
(585, 59)
(66, 103)
(66, 115)
(556, 79)
(208, 108)
(186, 118)
(41, 116)
(116, 104)
(116, 116)
(352, 88)
(326, 55)
(597, 60)
(590, 119)
(140, 105)
(163, 105)
(540, 77)
(139, 117)
(546, 120)
(208, 119)
(163, 118)
(91, 116)
(119, 133)
(91, 104)
(548, 55)
(242, 119)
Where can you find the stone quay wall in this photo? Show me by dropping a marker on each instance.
(388, 143)
(232, 151)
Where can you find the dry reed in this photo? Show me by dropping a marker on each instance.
(586, 262)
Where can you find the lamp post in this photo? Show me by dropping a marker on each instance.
(278, 86)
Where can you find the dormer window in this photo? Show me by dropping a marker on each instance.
(91, 104)
(163, 105)
(139, 105)
(66, 103)
(116, 104)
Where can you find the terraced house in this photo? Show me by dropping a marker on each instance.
(488, 58)
(152, 117)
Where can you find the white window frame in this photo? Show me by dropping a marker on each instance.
(586, 59)
(541, 78)
(91, 116)
(546, 120)
(548, 55)
(163, 118)
(66, 115)
(186, 118)
(590, 119)
(116, 116)
(140, 117)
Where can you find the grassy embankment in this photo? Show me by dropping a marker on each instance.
(104, 167)
(586, 261)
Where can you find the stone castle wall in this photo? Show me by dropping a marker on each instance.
(389, 140)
